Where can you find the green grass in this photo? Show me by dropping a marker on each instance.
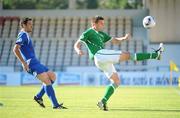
(127, 102)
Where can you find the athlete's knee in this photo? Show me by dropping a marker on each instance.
(115, 79)
(44, 78)
(125, 56)
(47, 81)
(117, 82)
(52, 75)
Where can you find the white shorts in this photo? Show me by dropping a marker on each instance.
(104, 60)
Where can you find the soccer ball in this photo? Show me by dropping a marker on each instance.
(149, 22)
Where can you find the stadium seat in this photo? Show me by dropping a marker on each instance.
(54, 37)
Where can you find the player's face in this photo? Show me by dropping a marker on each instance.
(100, 25)
(28, 26)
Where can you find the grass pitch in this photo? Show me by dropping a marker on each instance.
(126, 102)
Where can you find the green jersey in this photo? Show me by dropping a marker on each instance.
(94, 40)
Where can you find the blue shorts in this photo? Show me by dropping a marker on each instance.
(36, 67)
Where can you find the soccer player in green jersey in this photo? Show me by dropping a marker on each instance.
(94, 39)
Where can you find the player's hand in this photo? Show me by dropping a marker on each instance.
(80, 52)
(25, 66)
(127, 37)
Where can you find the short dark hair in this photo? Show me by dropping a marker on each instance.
(25, 20)
(95, 19)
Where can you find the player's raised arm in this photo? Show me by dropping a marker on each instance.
(77, 47)
(116, 40)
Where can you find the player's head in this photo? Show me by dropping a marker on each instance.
(97, 22)
(26, 24)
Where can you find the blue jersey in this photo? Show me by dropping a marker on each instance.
(28, 53)
(26, 49)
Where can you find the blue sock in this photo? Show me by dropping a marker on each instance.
(42, 91)
(51, 94)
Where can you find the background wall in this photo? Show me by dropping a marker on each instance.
(166, 13)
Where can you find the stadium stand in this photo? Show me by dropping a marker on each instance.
(53, 38)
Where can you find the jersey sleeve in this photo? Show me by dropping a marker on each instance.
(22, 39)
(106, 37)
(84, 36)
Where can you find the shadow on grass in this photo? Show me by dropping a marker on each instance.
(1, 104)
(145, 109)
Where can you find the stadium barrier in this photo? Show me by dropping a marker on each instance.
(93, 79)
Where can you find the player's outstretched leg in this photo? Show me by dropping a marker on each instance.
(109, 92)
(51, 94)
(38, 97)
(40, 94)
(50, 91)
(143, 56)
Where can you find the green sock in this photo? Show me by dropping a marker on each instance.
(109, 91)
(143, 56)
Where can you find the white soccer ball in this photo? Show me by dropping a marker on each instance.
(149, 22)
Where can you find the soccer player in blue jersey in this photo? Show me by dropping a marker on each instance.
(24, 51)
